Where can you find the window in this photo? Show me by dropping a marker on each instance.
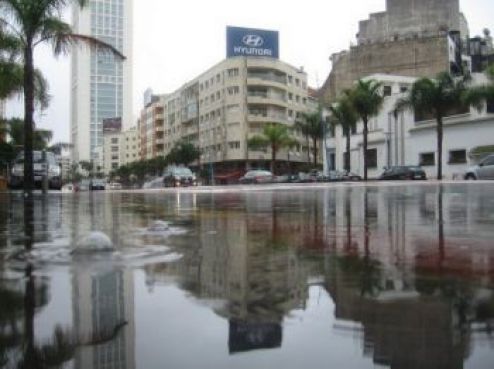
(290, 96)
(372, 158)
(114, 165)
(114, 149)
(234, 145)
(218, 78)
(114, 140)
(457, 157)
(427, 159)
(114, 157)
(387, 91)
(290, 79)
(234, 72)
(218, 95)
(235, 90)
(403, 89)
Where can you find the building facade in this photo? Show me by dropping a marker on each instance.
(118, 149)
(101, 84)
(222, 108)
(411, 38)
(408, 139)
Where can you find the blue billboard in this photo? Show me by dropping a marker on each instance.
(251, 42)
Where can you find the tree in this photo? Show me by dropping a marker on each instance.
(366, 100)
(435, 97)
(276, 137)
(343, 114)
(87, 166)
(183, 153)
(12, 71)
(15, 129)
(34, 23)
(312, 127)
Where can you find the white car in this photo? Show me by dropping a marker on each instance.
(483, 170)
(114, 186)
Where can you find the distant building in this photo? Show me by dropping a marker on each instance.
(119, 148)
(411, 38)
(410, 139)
(222, 108)
(101, 85)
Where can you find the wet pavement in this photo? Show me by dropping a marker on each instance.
(345, 276)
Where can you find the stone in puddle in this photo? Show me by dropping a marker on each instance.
(159, 226)
(94, 242)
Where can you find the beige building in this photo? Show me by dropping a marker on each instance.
(411, 38)
(119, 148)
(221, 109)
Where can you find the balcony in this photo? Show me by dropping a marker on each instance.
(268, 118)
(266, 98)
(258, 78)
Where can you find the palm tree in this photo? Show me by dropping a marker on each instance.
(15, 129)
(275, 136)
(37, 22)
(366, 99)
(12, 71)
(312, 127)
(343, 114)
(435, 97)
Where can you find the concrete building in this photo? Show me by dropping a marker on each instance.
(408, 139)
(223, 107)
(119, 148)
(411, 38)
(151, 125)
(101, 85)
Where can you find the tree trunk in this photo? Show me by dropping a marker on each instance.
(308, 149)
(28, 119)
(439, 147)
(347, 158)
(314, 142)
(273, 158)
(365, 133)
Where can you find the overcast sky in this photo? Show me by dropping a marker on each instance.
(175, 42)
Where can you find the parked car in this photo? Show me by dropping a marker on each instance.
(349, 176)
(53, 172)
(405, 172)
(114, 186)
(97, 184)
(257, 177)
(179, 177)
(483, 170)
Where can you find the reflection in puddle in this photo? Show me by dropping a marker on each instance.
(402, 275)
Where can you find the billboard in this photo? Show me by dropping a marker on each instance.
(251, 42)
(112, 125)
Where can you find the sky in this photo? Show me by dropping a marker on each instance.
(176, 41)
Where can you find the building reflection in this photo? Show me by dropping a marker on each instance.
(408, 280)
(395, 261)
(102, 303)
(102, 294)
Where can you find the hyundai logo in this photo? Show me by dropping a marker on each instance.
(253, 40)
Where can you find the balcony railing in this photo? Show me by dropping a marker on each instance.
(268, 77)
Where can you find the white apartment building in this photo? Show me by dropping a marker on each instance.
(101, 84)
(406, 139)
(226, 105)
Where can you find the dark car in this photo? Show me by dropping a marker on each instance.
(405, 172)
(50, 168)
(179, 177)
(257, 177)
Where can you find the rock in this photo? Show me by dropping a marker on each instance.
(159, 226)
(94, 242)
